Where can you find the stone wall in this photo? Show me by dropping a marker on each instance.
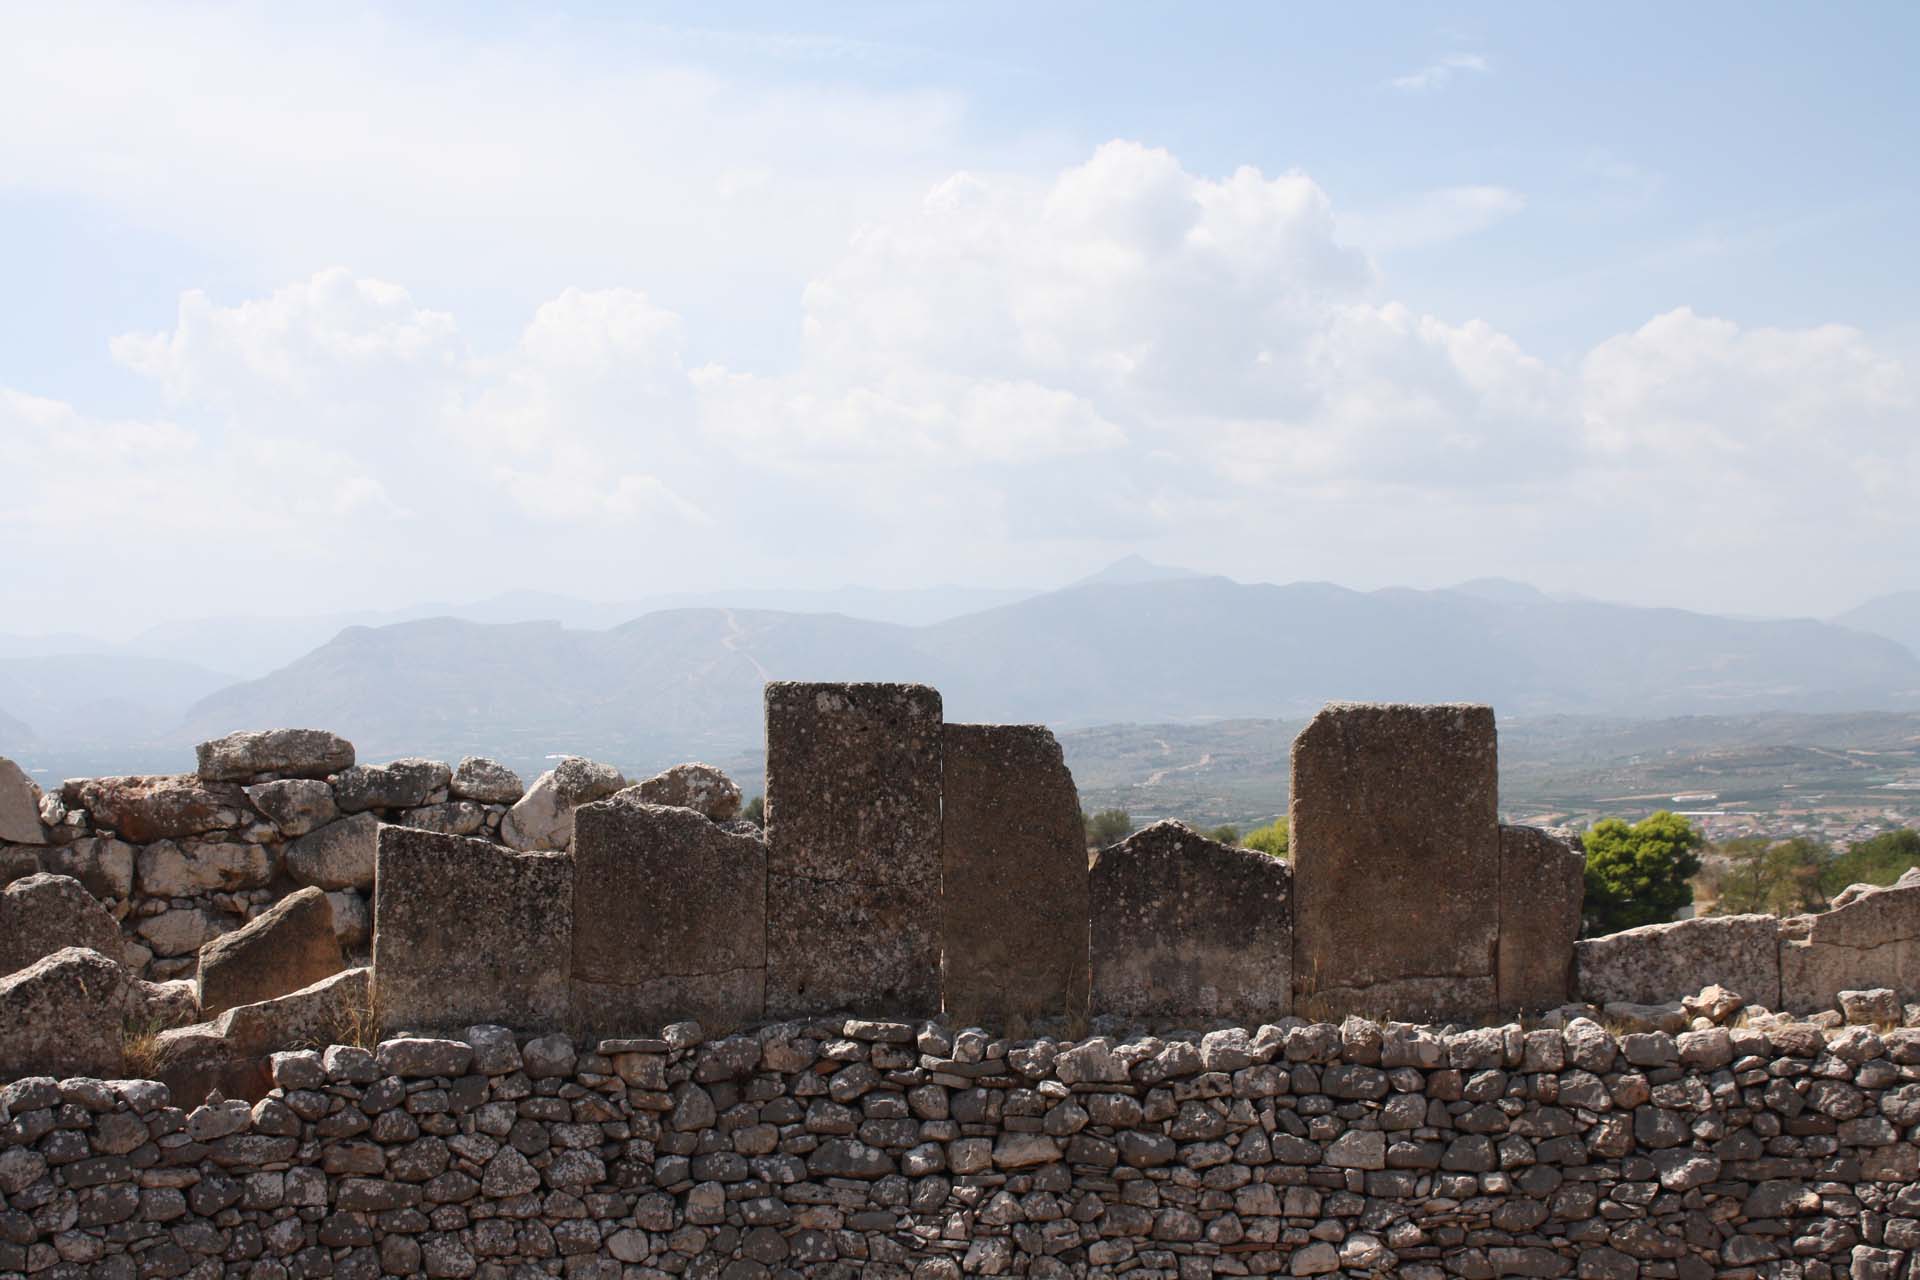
(838, 1147)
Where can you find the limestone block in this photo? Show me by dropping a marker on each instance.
(1542, 888)
(670, 918)
(172, 870)
(289, 946)
(454, 818)
(465, 932)
(295, 805)
(400, 784)
(64, 1015)
(700, 787)
(19, 806)
(1014, 875)
(352, 920)
(42, 914)
(291, 753)
(1659, 963)
(543, 817)
(487, 781)
(159, 807)
(1396, 856)
(853, 848)
(340, 855)
(181, 931)
(1871, 941)
(103, 864)
(1185, 927)
(18, 861)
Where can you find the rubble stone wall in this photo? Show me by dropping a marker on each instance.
(840, 1148)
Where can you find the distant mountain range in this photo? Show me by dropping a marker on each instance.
(1895, 616)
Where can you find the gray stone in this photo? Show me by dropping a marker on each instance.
(543, 817)
(669, 918)
(333, 1009)
(853, 848)
(42, 914)
(289, 946)
(19, 806)
(416, 1057)
(454, 818)
(146, 808)
(699, 787)
(1396, 856)
(465, 932)
(103, 864)
(291, 753)
(1014, 873)
(340, 855)
(18, 861)
(64, 1015)
(296, 805)
(171, 869)
(1659, 963)
(1542, 888)
(352, 920)
(1186, 927)
(181, 931)
(1879, 1006)
(486, 781)
(1871, 941)
(406, 783)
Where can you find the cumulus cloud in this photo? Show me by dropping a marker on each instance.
(1442, 72)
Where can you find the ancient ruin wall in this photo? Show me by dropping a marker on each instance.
(837, 1148)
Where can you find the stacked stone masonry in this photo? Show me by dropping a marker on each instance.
(838, 1147)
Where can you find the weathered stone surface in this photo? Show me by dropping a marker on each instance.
(1657, 963)
(1396, 857)
(173, 870)
(543, 818)
(465, 932)
(19, 806)
(162, 807)
(699, 787)
(399, 784)
(669, 918)
(1187, 927)
(340, 855)
(853, 847)
(180, 931)
(296, 805)
(487, 781)
(18, 861)
(1871, 941)
(64, 1015)
(42, 914)
(291, 753)
(336, 1008)
(454, 818)
(1542, 888)
(1014, 875)
(102, 864)
(352, 920)
(289, 946)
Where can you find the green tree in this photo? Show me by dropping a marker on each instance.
(1879, 860)
(1270, 839)
(1107, 826)
(756, 811)
(1226, 833)
(1639, 874)
(1781, 877)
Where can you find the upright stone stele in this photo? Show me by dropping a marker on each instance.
(467, 932)
(853, 848)
(1014, 870)
(1396, 858)
(1542, 888)
(669, 919)
(1187, 928)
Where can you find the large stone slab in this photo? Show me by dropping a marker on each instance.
(1014, 876)
(1871, 941)
(853, 848)
(1187, 928)
(1542, 888)
(42, 914)
(340, 855)
(1396, 855)
(19, 806)
(145, 808)
(186, 869)
(1657, 963)
(466, 932)
(65, 1015)
(543, 817)
(669, 919)
(693, 786)
(291, 753)
(289, 946)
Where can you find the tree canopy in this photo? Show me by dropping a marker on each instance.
(1270, 839)
(1879, 860)
(1638, 874)
(1107, 826)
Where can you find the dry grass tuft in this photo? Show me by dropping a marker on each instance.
(142, 1049)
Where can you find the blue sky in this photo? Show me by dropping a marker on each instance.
(1615, 300)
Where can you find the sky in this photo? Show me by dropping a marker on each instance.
(350, 307)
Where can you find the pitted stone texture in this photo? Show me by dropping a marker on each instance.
(487, 781)
(700, 787)
(19, 806)
(170, 869)
(42, 914)
(102, 864)
(669, 918)
(340, 855)
(289, 946)
(543, 818)
(1542, 887)
(1014, 876)
(64, 1015)
(291, 753)
(399, 784)
(853, 847)
(1871, 941)
(295, 805)
(1184, 927)
(164, 807)
(1396, 856)
(1658, 963)
(464, 932)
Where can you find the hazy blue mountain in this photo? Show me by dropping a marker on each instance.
(16, 737)
(103, 699)
(1130, 571)
(52, 644)
(1895, 616)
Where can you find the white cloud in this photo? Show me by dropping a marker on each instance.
(1441, 72)
(1433, 217)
